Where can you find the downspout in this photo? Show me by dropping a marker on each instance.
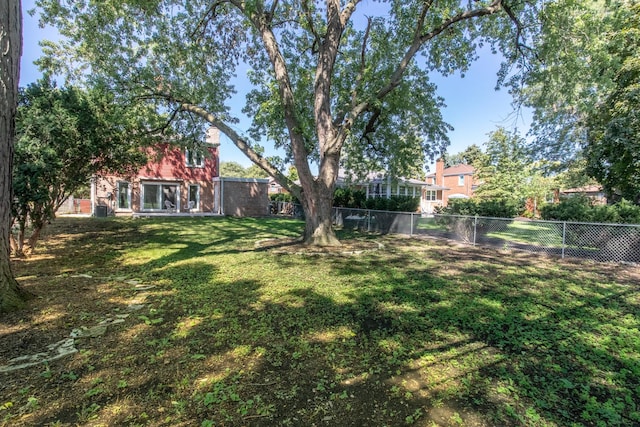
(93, 195)
(221, 196)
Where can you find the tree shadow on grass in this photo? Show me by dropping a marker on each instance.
(413, 336)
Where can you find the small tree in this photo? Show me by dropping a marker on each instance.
(64, 137)
(502, 171)
(232, 170)
(470, 156)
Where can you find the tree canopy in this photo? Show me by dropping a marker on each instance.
(235, 169)
(506, 173)
(583, 88)
(469, 156)
(613, 139)
(331, 84)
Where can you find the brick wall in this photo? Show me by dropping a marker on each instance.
(245, 196)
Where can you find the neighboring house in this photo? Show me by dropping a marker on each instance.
(594, 192)
(382, 185)
(458, 181)
(178, 181)
(275, 188)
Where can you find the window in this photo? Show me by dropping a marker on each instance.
(194, 158)
(461, 180)
(160, 197)
(124, 195)
(430, 195)
(194, 197)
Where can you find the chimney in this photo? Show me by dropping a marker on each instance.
(213, 136)
(440, 172)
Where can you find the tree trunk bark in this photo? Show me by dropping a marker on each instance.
(11, 294)
(317, 205)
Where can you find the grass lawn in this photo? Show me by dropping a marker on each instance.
(545, 234)
(218, 328)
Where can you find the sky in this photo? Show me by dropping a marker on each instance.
(474, 107)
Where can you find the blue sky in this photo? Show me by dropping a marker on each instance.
(474, 108)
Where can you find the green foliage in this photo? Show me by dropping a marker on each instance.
(255, 171)
(471, 155)
(581, 209)
(357, 199)
(63, 137)
(584, 90)
(393, 203)
(503, 171)
(613, 140)
(487, 208)
(282, 197)
(236, 170)
(232, 170)
(347, 197)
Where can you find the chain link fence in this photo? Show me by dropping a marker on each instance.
(289, 209)
(596, 241)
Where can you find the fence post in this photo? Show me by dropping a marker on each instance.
(369, 222)
(564, 235)
(475, 226)
(411, 232)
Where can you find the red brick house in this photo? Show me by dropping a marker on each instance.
(178, 181)
(458, 182)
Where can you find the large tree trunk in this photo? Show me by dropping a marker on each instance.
(11, 295)
(317, 206)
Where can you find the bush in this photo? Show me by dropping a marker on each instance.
(394, 204)
(580, 209)
(357, 199)
(472, 207)
(282, 197)
(349, 198)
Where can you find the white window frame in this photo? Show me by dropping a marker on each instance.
(196, 206)
(460, 180)
(431, 195)
(128, 196)
(160, 198)
(196, 161)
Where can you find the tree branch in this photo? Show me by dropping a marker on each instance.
(270, 43)
(519, 29)
(348, 10)
(316, 36)
(360, 75)
(244, 146)
(418, 42)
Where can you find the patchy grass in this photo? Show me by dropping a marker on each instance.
(546, 234)
(219, 330)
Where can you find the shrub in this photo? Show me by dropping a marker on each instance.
(394, 204)
(349, 198)
(489, 208)
(357, 199)
(282, 197)
(580, 209)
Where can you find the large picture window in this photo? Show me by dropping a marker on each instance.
(124, 195)
(160, 197)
